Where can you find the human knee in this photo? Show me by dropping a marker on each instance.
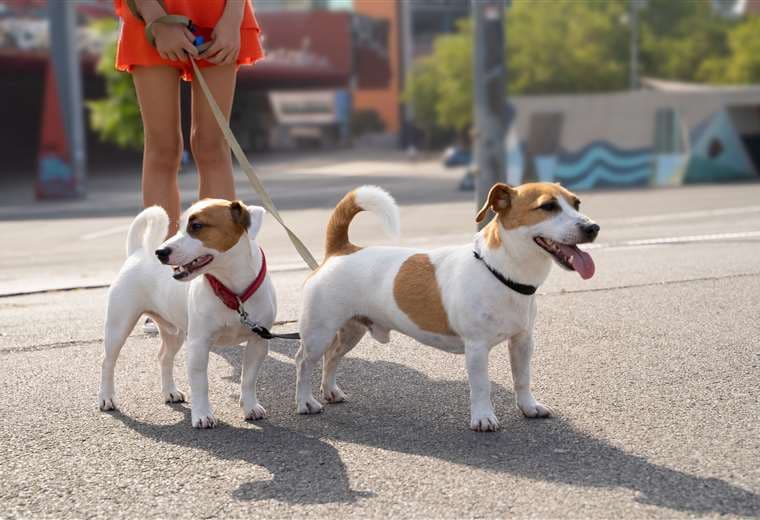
(164, 149)
(208, 145)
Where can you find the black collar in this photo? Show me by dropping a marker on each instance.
(517, 287)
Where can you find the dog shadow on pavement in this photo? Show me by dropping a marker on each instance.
(394, 407)
(290, 456)
(427, 417)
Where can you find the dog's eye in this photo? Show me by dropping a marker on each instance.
(577, 205)
(549, 206)
(196, 226)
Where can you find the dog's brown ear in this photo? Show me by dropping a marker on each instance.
(240, 214)
(499, 200)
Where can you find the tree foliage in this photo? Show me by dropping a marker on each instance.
(742, 63)
(678, 38)
(568, 46)
(565, 46)
(116, 118)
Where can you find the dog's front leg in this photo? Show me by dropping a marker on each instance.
(197, 374)
(520, 352)
(482, 416)
(254, 355)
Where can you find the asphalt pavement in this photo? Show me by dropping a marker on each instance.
(652, 367)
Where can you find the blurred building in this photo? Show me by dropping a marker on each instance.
(334, 71)
(667, 134)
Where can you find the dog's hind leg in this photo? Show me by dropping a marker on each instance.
(171, 342)
(315, 340)
(346, 339)
(120, 320)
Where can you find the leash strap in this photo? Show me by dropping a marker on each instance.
(262, 331)
(266, 200)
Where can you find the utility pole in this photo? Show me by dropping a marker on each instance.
(407, 57)
(634, 7)
(64, 175)
(489, 86)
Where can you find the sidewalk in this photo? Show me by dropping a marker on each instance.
(116, 192)
(80, 243)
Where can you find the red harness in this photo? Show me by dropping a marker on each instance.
(229, 298)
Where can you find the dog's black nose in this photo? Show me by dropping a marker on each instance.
(591, 230)
(163, 254)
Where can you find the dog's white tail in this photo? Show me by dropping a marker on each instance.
(366, 198)
(148, 230)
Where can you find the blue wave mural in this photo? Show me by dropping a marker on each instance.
(599, 164)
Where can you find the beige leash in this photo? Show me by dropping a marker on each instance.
(266, 200)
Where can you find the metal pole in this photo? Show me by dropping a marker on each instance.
(407, 53)
(634, 14)
(65, 55)
(489, 81)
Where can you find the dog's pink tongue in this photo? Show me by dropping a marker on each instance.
(582, 261)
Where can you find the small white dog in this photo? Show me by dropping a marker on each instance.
(216, 238)
(463, 299)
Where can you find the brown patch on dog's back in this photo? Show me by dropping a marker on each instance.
(223, 223)
(417, 294)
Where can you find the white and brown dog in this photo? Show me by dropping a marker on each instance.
(463, 299)
(216, 238)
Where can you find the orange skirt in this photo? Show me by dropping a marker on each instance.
(133, 49)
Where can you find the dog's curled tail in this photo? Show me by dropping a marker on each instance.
(365, 198)
(148, 230)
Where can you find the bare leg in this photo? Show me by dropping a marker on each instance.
(158, 94)
(210, 150)
(520, 352)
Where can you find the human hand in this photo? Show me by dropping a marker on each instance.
(174, 42)
(225, 45)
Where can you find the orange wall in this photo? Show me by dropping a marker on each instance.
(384, 101)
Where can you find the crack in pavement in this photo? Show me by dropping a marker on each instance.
(82, 342)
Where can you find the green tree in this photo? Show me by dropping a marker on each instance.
(678, 37)
(116, 118)
(553, 46)
(742, 64)
(422, 92)
(440, 85)
(566, 46)
(452, 55)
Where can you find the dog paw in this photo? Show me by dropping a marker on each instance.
(309, 407)
(484, 422)
(106, 404)
(334, 395)
(255, 413)
(535, 410)
(174, 396)
(204, 421)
